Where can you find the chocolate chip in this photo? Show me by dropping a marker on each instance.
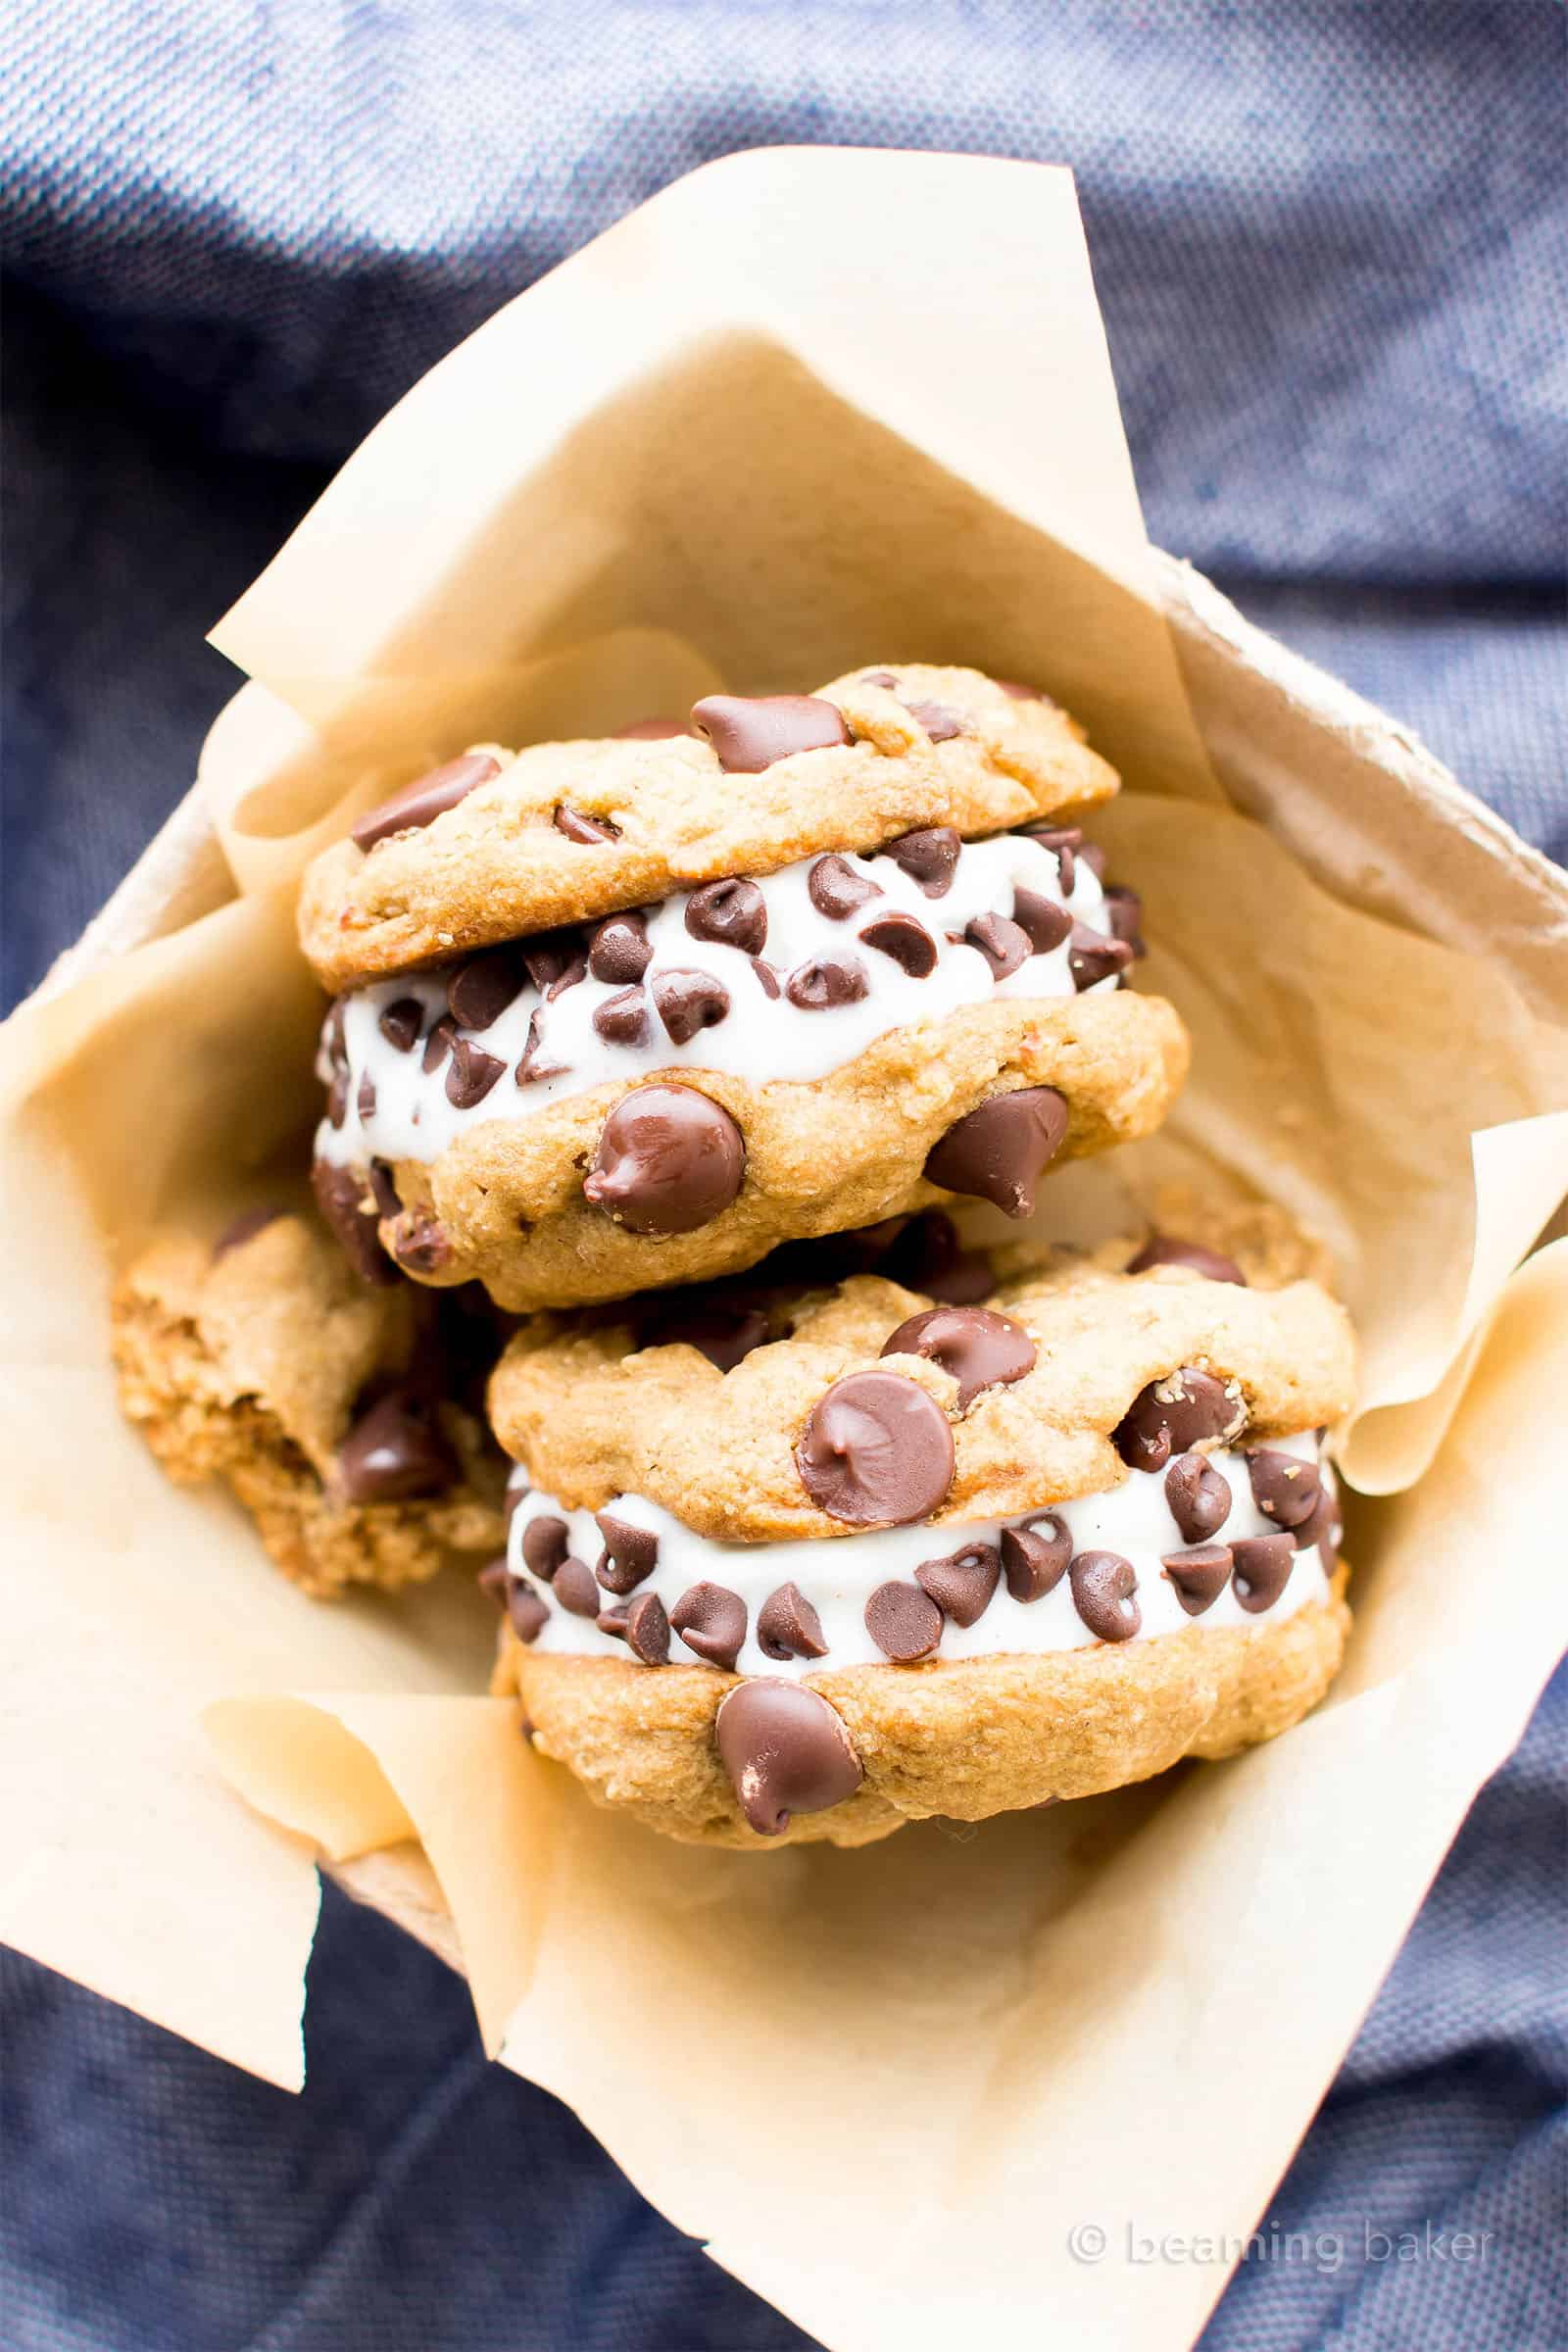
(418, 1241)
(630, 1554)
(1063, 842)
(766, 978)
(1164, 1250)
(1199, 1497)
(688, 1001)
(383, 1190)
(905, 939)
(473, 1072)
(1092, 958)
(534, 1065)
(710, 1619)
(495, 1579)
(1035, 1555)
(1321, 1531)
(876, 1451)
(1004, 944)
(611, 1620)
(527, 1612)
(396, 1451)
(618, 950)
(652, 730)
(622, 1019)
(939, 722)
(516, 1496)
(1285, 1489)
(1263, 1570)
(545, 1544)
(723, 1330)
(482, 988)
(788, 1627)
(554, 959)
(340, 1196)
(401, 1022)
(648, 1630)
(669, 1160)
(749, 732)
(835, 889)
(241, 1230)
(337, 1099)
(1199, 1576)
(1093, 857)
(961, 1585)
(929, 856)
(586, 830)
(1175, 1413)
(879, 677)
(981, 1350)
(905, 1622)
(826, 981)
(733, 911)
(575, 1588)
(786, 1751)
(1102, 1588)
(999, 1149)
(1124, 916)
(1044, 923)
(422, 803)
(438, 1045)
(928, 1256)
(334, 1038)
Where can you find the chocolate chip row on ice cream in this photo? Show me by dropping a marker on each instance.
(807, 1555)
(616, 1014)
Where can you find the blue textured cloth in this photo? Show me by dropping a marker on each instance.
(1332, 248)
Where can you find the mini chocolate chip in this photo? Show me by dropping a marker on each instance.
(1285, 1489)
(1035, 1555)
(622, 1019)
(1004, 944)
(981, 1350)
(401, 1022)
(1199, 1497)
(243, 1229)
(516, 1496)
(652, 730)
(1063, 842)
(1093, 857)
(545, 1544)
(575, 1588)
(1322, 1531)
(418, 1241)
(929, 856)
(619, 951)
(788, 1627)
(826, 981)
(904, 1622)
(836, 889)
(939, 722)
(1174, 1414)
(588, 831)
(963, 1584)
(688, 1001)
(876, 1451)
(334, 1028)
(905, 939)
(1124, 916)
(438, 1045)
(1046, 924)
(612, 1620)
(1102, 1588)
(337, 1099)
(928, 1256)
(766, 978)
(733, 911)
(533, 1065)
(669, 1160)
(786, 1751)
(553, 960)
(749, 732)
(724, 1330)
(495, 1579)
(1091, 957)
(396, 1451)
(383, 1190)
(1162, 1250)
(1263, 1570)
(630, 1555)
(648, 1630)
(473, 1072)
(341, 1196)
(482, 988)
(420, 804)
(710, 1619)
(999, 1149)
(528, 1611)
(1199, 1576)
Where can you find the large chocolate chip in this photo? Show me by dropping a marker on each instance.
(618, 950)
(710, 1619)
(749, 732)
(1104, 1585)
(836, 889)
(401, 1022)
(482, 988)
(1063, 842)
(1035, 1555)
(733, 911)
(905, 939)
(981, 1349)
(473, 1072)
(689, 1002)
(876, 1451)
(528, 1611)
(1262, 1571)
(669, 1160)
(630, 1554)
(1175, 1413)
(418, 1241)
(963, 1584)
(1091, 957)
(1004, 944)
(904, 1622)
(999, 1149)
(586, 831)
(622, 1019)
(929, 856)
(826, 981)
(1200, 1499)
(438, 1045)
(1045, 923)
(1199, 1576)
(939, 722)
(545, 1544)
(652, 730)
(396, 1451)
(648, 1630)
(422, 803)
(1124, 916)
(788, 1627)
(576, 1589)
(341, 1195)
(1164, 1250)
(533, 1064)
(1322, 1531)
(786, 1751)
(928, 1256)
(241, 1230)
(1285, 1489)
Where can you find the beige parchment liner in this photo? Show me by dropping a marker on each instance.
(801, 410)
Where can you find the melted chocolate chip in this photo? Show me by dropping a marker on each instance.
(401, 1022)
(1063, 842)
(575, 1588)
(788, 1627)
(1091, 957)
(532, 1063)
(648, 1630)
(786, 1751)
(876, 1451)
(1103, 1585)
(438, 1045)
(669, 1160)
(587, 831)
(1285, 1489)
(619, 951)
(471, 1075)
(241, 1230)
(981, 1350)
(710, 1619)
(652, 730)
(689, 1002)
(1164, 1250)
(734, 913)
(622, 1019)
(1175, 1413)
(928, 1256)
(1199, 1497)
(1199, 1576)
(999, 1152)
(904, 1622)
(836, 889)
(905, 939)
(963, 1584)
(826, 981)
(1046, 924)
(420, 804)
(939, 722)
(545, 1544)
(1124, 916)
(481, 988)
(1035, 1555)
(630, 1554)
(749, 732)
(929, 856)
(1004, 944)
(527, 1612)
(723, 1329)
(337, 1099)
(418, 1240)
(396, 1451)
(1262, 1567)
(383, 1190)
(340, 1196)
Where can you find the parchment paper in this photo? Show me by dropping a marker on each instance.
(804, 410)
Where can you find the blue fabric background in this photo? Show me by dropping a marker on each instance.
(1332, 249)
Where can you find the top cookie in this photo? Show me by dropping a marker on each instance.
(498, 846)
